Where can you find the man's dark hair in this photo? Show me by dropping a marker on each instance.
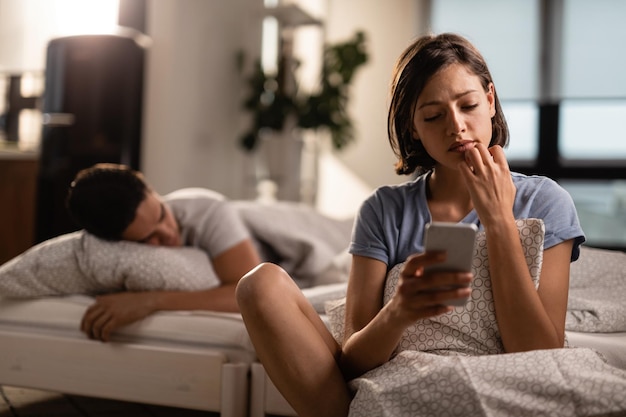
(103, 199)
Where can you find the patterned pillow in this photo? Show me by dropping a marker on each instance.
(80, 263)
(471, 328)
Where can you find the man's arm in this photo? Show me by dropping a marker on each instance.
(234, 263)
(112, 311)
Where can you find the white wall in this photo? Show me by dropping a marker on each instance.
(390, 26)
(26, 26)
(193, 92)
(193, 114)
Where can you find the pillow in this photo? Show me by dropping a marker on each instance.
(80, 263)
(338, 271)
(482, 336)
(294, 235)
(319, 295)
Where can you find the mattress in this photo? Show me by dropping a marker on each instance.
(61, 316)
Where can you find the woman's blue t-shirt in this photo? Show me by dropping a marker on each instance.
(390, 224)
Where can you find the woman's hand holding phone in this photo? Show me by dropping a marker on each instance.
(433, 282)
(457, 241)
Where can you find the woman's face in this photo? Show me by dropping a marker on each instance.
(453, 113)
(153, 224)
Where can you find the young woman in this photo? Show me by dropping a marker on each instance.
(445, 123)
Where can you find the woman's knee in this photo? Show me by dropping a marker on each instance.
(261, 282)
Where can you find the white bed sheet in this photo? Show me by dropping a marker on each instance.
(611, 345)
(61, 316)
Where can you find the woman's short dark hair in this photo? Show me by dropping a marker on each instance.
(103, 199)
(418, 63)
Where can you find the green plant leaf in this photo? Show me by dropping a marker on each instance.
(270, 105)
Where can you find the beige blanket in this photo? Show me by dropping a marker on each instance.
(455, 365)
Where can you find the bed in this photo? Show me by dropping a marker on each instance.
(205, 361)
(197, 360)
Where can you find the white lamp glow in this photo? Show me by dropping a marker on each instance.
(80, 17)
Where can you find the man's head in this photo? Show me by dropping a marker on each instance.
(114, 202)
(104, 198)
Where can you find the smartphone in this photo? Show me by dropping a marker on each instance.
(457, 240)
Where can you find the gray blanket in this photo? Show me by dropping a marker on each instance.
(303, 241)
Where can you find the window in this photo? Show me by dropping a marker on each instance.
(523, 120)
(559, 69)
(592, 129)
(516, 73)
(601, 207)
(593, 86)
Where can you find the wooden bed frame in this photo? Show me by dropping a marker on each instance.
(186, 377)
(197, 379)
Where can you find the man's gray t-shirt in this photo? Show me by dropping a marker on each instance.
(390, 224)
(207, 220)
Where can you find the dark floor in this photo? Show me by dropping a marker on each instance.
(22, 402)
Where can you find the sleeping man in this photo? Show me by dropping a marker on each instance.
(114, 202)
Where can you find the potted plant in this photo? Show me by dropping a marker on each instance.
(276, 104)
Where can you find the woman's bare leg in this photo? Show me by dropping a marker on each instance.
(298, 352)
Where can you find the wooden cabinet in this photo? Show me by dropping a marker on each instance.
(18, 183)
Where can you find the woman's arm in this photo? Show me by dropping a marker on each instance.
(528, 319)
(372, 331)
(112, 311)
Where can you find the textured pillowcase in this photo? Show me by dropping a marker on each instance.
(80, 263)
(472, 327)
